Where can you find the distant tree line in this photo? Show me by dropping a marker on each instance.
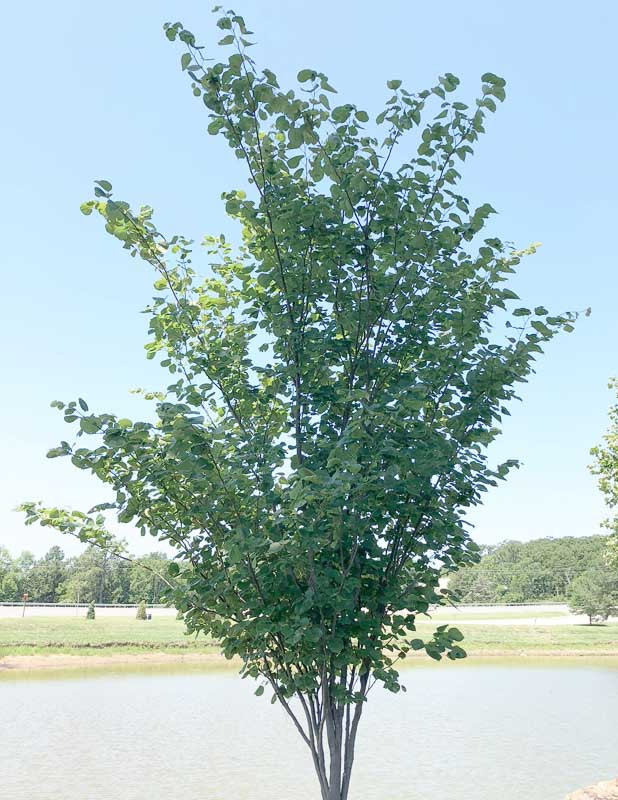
(96, 575)
(510, 572)
(527, 572)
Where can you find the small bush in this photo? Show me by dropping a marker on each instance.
(141, 610)
(90, 612)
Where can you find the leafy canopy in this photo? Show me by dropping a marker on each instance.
(606, 467)
(595, 594)
(528, 572)
(336, 381)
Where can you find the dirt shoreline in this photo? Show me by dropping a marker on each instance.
(35, 663)
(69, 661)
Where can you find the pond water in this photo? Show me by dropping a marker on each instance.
(465, 731)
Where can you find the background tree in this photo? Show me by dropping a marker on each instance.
(606, 467)
(141, 610)
(528, 572)
(595, 594)
(90, 613)
(146, 578)
(22, 574)
(98, 574)
(47, 576)
(337, 380)
(6, 569)
(110, 576)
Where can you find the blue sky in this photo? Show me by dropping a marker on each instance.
(94, 90)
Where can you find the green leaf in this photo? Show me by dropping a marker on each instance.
(489, 77)
(540, 327)
(55, 452)
(89, 425)
(340, 113)
(185, 60)
(259, 691)
(295, 138)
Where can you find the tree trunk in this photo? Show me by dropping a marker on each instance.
(341, 725)
(332, 718)
(341, 760)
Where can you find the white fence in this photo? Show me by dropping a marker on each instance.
(79, 610)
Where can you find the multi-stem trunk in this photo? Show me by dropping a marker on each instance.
(332, 725)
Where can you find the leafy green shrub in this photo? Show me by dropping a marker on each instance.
(141, 610)
(90, 612)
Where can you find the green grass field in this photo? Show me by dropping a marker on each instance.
(535, 639)
(79, 636)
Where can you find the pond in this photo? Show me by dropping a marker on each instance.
(465, 731)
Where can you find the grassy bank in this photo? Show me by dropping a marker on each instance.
(109, 636)
(536, 639)
(79, 636)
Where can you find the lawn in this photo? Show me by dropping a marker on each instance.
(77, 635)
(555, 639)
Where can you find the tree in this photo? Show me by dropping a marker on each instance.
(90, 613)
(527, 572)
(595, 594)
(21, 577)
(146, 577)
(337, 380)
(8, 584)
(606, 467)
(108, 574)
(141, 610)
(47, 576)
(484, 589)
(100, 573)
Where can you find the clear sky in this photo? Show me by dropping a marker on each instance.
(94, 90)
